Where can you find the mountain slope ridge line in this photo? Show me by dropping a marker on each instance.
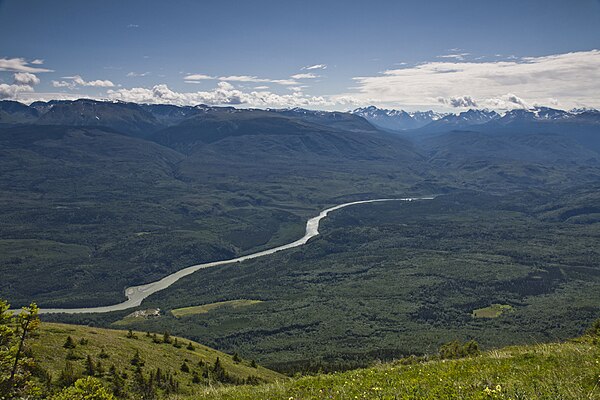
(136, 294)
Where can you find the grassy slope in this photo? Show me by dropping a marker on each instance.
(547, 371)
(48, 351)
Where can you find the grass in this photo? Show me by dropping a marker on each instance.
(205, 308)
(568, 370)
(493, 311)
(50, 355)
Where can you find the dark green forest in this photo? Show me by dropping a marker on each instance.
(88, 209)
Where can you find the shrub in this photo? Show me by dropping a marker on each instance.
(86, 388)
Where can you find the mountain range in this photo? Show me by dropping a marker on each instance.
(430, 121)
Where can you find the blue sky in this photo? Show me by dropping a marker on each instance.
(402, 54)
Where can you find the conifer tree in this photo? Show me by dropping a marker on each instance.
(90, 368)
(69, 343)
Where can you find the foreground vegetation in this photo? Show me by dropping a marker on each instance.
(47, 360)
(568, 370)
(30, 357)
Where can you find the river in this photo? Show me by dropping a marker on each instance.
(136, 294)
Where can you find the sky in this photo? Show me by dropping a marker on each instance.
(443, 55)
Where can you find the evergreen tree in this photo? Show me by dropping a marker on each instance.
(195, 377)
(185, 368)
(190, 346)
(90, 368)
(71, 355)
(103, 354)
(99, 368)
(236, 358)
(142, 387)
(219, 372)
(117, 381)
(137, 359)
(69, 343)
(67, 375)
(166, 337)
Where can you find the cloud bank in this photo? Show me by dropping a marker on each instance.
(569, 80)
(224, 94)
(23, 83)
(74, 81)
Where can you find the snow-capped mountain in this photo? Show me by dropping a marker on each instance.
(537, 114)
(397, 120)
(430, 121)
(463, 120)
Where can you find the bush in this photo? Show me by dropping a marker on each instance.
(456, 349)
(594, 330)
(86, 388)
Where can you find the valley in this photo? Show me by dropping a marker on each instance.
(271, 200)
(101, 208)
(135, 295)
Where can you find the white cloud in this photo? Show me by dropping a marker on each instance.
(309, 75)
(571, 78)
(242, 78)
(74, 81)
(23, 83)
(285, 82)
(137, 74)
(316, 66)
(133, 26)
(65, 84)
(37, 61)
(261, 87)
(224, 94)
(194, 78)
(457, 56)
(26, 78)
(509, 101)
(248, 78)
(461, 101)
(12, 91)
(20, 65)
(197, 77)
